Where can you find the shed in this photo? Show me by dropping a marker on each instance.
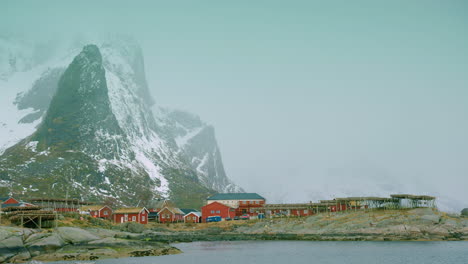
(192, 217)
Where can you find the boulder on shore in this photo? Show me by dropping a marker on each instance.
(44, 243)
(75, 235)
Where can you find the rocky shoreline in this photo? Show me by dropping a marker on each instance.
(70, 243)
(398, 225)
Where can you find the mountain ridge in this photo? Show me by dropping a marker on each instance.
(117, 148)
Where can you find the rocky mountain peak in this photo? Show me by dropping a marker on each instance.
(90, 55)
(97, 137)
(79, 114)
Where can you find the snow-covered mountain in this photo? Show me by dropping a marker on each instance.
(81, 121)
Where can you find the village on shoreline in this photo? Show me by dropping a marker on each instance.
(44, 212)
(64, 229)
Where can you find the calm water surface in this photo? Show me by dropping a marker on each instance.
(292, 252)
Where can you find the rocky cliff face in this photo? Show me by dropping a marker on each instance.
(197, 142)
(97, 137)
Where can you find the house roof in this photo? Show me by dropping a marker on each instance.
(92, 207)
(236, 196)
(186, 211)
(151, 214)
(6, 198)
(218, 203)
(174, 210)
(411, 196)
(195, 213)
(130, 210)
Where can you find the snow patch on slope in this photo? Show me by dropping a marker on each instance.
(181, 141)
(129, 111)
(202, 164)
(154, 173)
(32, 145)
(11, 131)
(19, 82)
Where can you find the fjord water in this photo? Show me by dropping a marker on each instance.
(298, 252)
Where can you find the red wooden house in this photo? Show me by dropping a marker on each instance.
(170, 215)
(192, 217)
(137, 214)
(165, 211)
(100, 211)
(245, 203)
(217, 209)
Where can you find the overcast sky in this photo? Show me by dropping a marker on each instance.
(309, 99)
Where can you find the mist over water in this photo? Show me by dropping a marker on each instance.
(309, 100)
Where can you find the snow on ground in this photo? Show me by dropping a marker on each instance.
(44, 153)
(102, 165)
(32, 145)
(153, 172)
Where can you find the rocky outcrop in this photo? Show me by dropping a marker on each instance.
(69, 243)
(413, 225)
(45, 243)
(417, 224)
(75, 235)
